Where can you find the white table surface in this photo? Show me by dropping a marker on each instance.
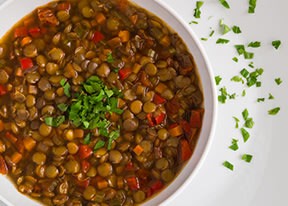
(263, 182)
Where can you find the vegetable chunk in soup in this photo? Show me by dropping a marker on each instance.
(100, 104)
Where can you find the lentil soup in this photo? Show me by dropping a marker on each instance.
(100, 104)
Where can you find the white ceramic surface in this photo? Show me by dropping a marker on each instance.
(19, 9)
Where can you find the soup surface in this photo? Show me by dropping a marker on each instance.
(100, 104)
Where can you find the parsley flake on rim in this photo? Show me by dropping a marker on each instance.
(254, 44)
(278, 81)
(218, 79)
(276, 44)
(225, 4)
(245, 134)
(228, 165)
(252, 6)
(222, 41)
(236, 29)
(234, 145)
(247, 157)
(197, 12)
(274, 111)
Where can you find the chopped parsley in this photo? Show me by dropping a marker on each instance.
(62, 107)
(247, 157)
(260, 99)
(235, 59)
(276, 44)
(66, 86)
(87, 138)
(225, 28)
(254, 44)
(237, 79)
(222, 41)
(278, 81)
(236, 29)
(110, 58)
(274, 111)
(234, 145)
(228, 165)
(245, 114)
(245, 134)
(193, 22)
(236, 122)
(224, 95)
(99, 145)
(204, 39)
(218, 80)
(244, 93)
(249, 123)
(225, 4)
(241, 50)
(252, 77)
(252, 6)
(54, 121)
(211, 33)
(197, 12)
(271, 96)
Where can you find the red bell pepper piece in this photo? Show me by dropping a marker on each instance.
(133, 182)
(97, 36)
(158, 99)
(185, 150)
(185, 126)
(156, 186)
(84, 152)
(3, 90)
(160, 118)
(82, 183)
(64, 6)
(20, 32)
(85, 166)
(35, 31)
(11, 137)
(26, 63)
(150, 120)
(129, 166)
(124, 73)
(196, 118)
(3, 166)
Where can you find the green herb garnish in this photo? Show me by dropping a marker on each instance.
(234, 145)
(222, 41)
(252, 6)
(193, 22)
(197, 12)
(241, 50)
(235, 59)
(276, 44)
(278, 81)
(204, 39)
(66, 86)
(225, 4)
(260, 99)
(62, 107)
(254, 44)
(236, 29)
(87, 138)
(236, 122)
(245, 114)
(244, 93)
(54, 121)
(249, 123)
(228, 165)
(245, 134)
(247, 157)
(274, 111)
(99, 145)
(237, 79)
(211, 34)
(218, 80)
(271, 96)
(110, 58)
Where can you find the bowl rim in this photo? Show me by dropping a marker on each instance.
(214, 102)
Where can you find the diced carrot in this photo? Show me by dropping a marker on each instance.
(11, 137)
(150, 119)
(185, 150)
(165, 41)
(102, 184)
(46, 15)
(26, 40)
(3, 166)
(100, 18)
(85, 166)
(133, 182)
(158, 99)
(20, 146)
(196, 118)
(138, 150)
(121, 103)
(1, 125)
(16, 157)
(84, 151)
(160, 88)
(134, 18)
(175, 130)
(64, 6)
(136, 68)
(145, 80)
(124, 35)
(124, 73)
(78, 133)
(186, 126)
(20, 32)
(29, 143)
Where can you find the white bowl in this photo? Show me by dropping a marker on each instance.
(13, 10)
